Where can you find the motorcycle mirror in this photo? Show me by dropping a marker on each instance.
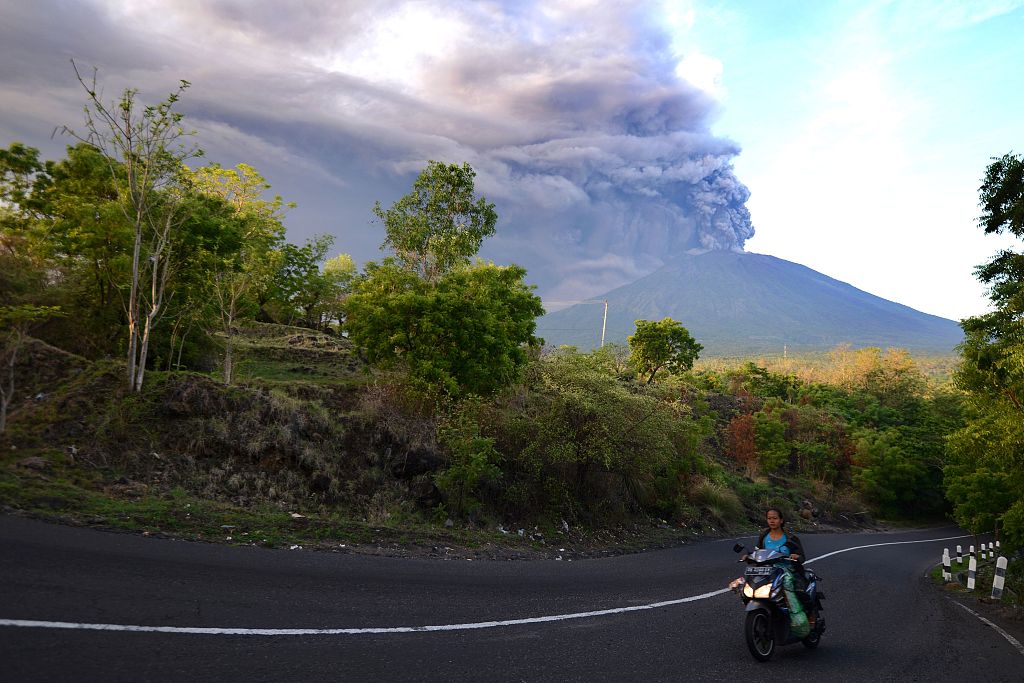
(738, 548)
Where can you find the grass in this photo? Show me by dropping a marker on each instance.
(275, 354)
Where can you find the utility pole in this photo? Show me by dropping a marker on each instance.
(604, 323)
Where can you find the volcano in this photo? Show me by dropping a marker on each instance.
(738, 303)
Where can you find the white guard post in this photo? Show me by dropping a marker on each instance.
(999, 580)
(947, 576)
(972, 572)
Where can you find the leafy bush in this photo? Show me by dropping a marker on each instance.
(473, 460)
(577, 437)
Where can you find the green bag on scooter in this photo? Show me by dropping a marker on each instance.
(799, 626)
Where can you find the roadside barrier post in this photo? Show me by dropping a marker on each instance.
(947, 575)
(999, 580)
(959, 554)
(972, 572)
(970, 553)
(983, 556)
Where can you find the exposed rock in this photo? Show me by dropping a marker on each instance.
(34, 463)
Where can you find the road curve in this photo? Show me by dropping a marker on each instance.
(280, 615)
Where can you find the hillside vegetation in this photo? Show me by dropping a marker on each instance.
(578, 446)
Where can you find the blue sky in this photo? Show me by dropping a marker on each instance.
(866, 128)
(847, 136)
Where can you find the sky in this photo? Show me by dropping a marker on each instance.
(850, 137)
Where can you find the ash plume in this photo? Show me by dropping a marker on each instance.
(599, 157)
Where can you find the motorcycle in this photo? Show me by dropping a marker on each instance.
(764, 588)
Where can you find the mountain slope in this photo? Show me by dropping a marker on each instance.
(752, 303)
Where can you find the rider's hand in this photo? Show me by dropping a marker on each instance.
(794, 557)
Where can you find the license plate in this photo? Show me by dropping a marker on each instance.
(758, 571)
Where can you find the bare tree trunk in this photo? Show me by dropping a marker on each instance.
(228, 361)
(133, 304)
(181, 346)
(229, 288)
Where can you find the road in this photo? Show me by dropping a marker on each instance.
(884, 621)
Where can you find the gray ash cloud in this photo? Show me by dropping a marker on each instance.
(599, 157)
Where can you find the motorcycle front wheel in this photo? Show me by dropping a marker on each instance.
(760, 635)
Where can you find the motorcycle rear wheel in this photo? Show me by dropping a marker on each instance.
(814, 638)
(760, 635)
(812, 641)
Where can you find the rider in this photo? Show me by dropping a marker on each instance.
(776, 538)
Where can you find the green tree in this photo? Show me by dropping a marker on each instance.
(664, 344)
(466, 333)
(89, 241)
(440, 224)
(239, 270)
(888, 475)
(454, 327)
(770, 439)
(340, 275)
(300, 291)
(984, 478)
(24, 268)
(147, 144)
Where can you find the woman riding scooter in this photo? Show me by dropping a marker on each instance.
(775, 537)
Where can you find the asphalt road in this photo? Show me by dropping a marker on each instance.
(884, 621)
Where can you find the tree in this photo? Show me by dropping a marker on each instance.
(23, 266)
(454, 327)
(438, 225)
(770, 439)
(466, 333)
(741, 437)
(340, 275)
(984, 479)
(665, 344)
(250, 266)
(149, 148)
(89, 242)
(299, 288)
(1002, 196)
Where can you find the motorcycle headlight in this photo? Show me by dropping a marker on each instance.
(763, 591)
(748, 591)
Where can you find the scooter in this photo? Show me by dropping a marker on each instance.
(763, 589)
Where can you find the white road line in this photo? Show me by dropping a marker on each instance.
(197, 630)
(351, 631)
(1004, 634)
(876, 545)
